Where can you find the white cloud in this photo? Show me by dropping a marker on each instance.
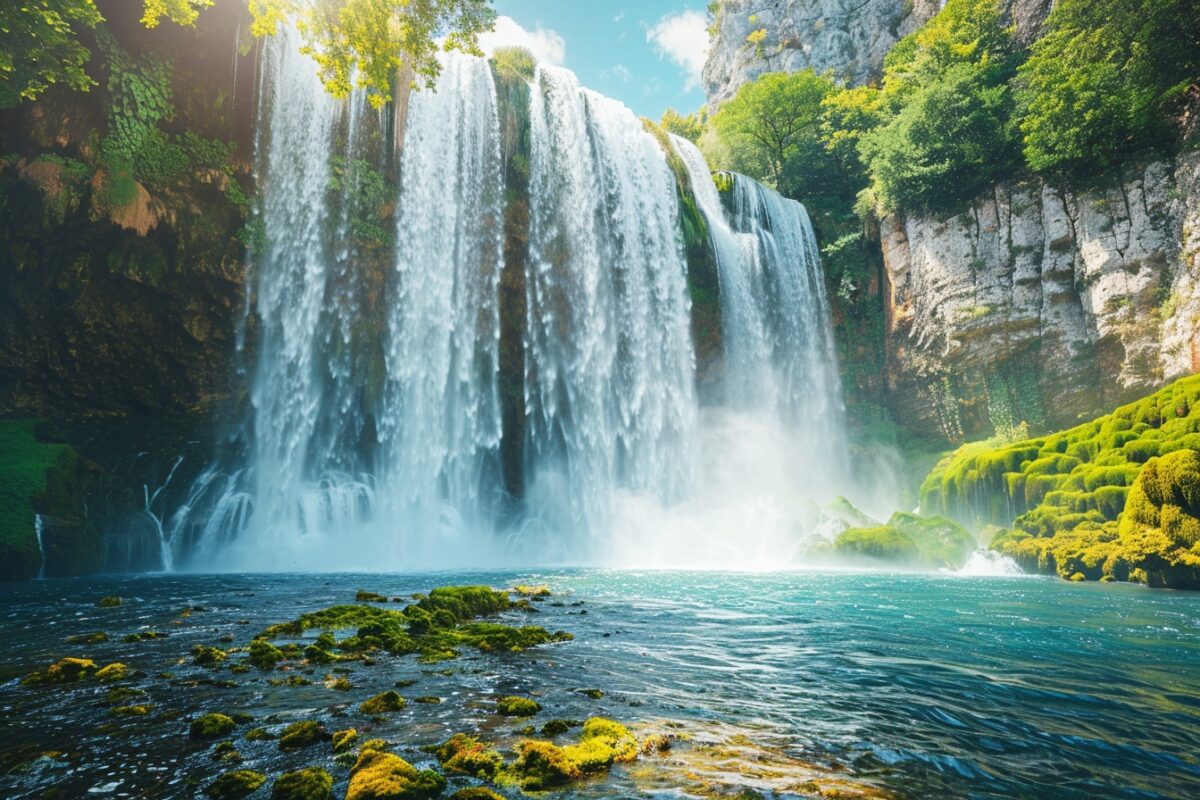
(545, 44)
(683, 38)
(620, 72)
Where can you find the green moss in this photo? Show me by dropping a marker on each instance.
(65, 670)
(382, 776)
(88, 638)
(557, 727)
(1054, 483)
(130, 711)
(313, 783)
(909, 540)
(513, 706)
(476, 793)
(383, 703)
(205, 656)
(264, 655)
(435, 626)
(119, 694)
(466, 754)
(543, 765)
(112, 673)
(301, 734)
(363, 596)
(235, 785)
(24, 463)
(212, 725)
(259, 735)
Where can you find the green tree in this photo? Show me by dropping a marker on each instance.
(39, 47)
(181, 12)
(690, 127)
(1106, 80)
(771, 119)
(948, 127)
(365, 43)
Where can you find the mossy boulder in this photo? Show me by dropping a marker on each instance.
(130, 711)
(99, 637)
(383, 703)
(112, 673)
(108, 602)
(65, 670)
(301, 734)
(235, 785)
(515, 706)
(909, 540)
(383, 776)
(206, 656)
(466, 754)
(211, 725)
(544, 765)
(313, 783)
(344, 740)
(1160, 529)
(476, 793)
(264, 655)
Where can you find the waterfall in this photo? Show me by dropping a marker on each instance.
(780, 358)
(376, 433)
(38, 528)
(440, 421)
(609, 361)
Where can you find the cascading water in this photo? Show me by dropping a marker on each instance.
(376, 436)
(609, 361)
(439, 424)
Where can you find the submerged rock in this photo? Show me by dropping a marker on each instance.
(514, 706)
(466, 754)
(115, 671)
(383, 703)
(65, 670)
(211, 725)
(108, 602)
(235, 785)
(301, 734)
(313, 783)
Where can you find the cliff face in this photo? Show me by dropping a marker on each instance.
(849, 37)
(1041, 305)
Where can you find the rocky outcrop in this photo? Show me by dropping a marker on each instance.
(848, 37)
(1042, 305)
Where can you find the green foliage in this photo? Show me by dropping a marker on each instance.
(909, 540)
(365, 192)
(1105, 80)
(39, 48)
(181, 12)
(365, 43)
(517, 61)
(690, 127)
(772, 120)
(24, 465)
(949, 129)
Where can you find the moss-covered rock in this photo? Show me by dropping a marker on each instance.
(206, 656)
(382, 776)
(301, 734)
(313, 783)
(909, 540)
(363, 596)
(383, 703)
(65, 670)
(108, 602)
(112, 673)
(235, 785)
(544, 765)
(344, 740)
(466, 754)
(211, 725)
(98, 637)
(264, 655)
(557, 727)
(514, 706)
(476, 793)
(130, 711)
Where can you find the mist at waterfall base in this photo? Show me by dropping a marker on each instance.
(377, 426)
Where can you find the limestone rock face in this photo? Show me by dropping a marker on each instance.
(1042, 305)
(849, 37)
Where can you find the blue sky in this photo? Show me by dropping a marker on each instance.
(646, 53)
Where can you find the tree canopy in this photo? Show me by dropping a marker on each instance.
(40, 47)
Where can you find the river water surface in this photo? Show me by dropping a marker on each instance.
(870, 684)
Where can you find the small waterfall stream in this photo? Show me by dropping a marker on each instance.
(376, 419)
